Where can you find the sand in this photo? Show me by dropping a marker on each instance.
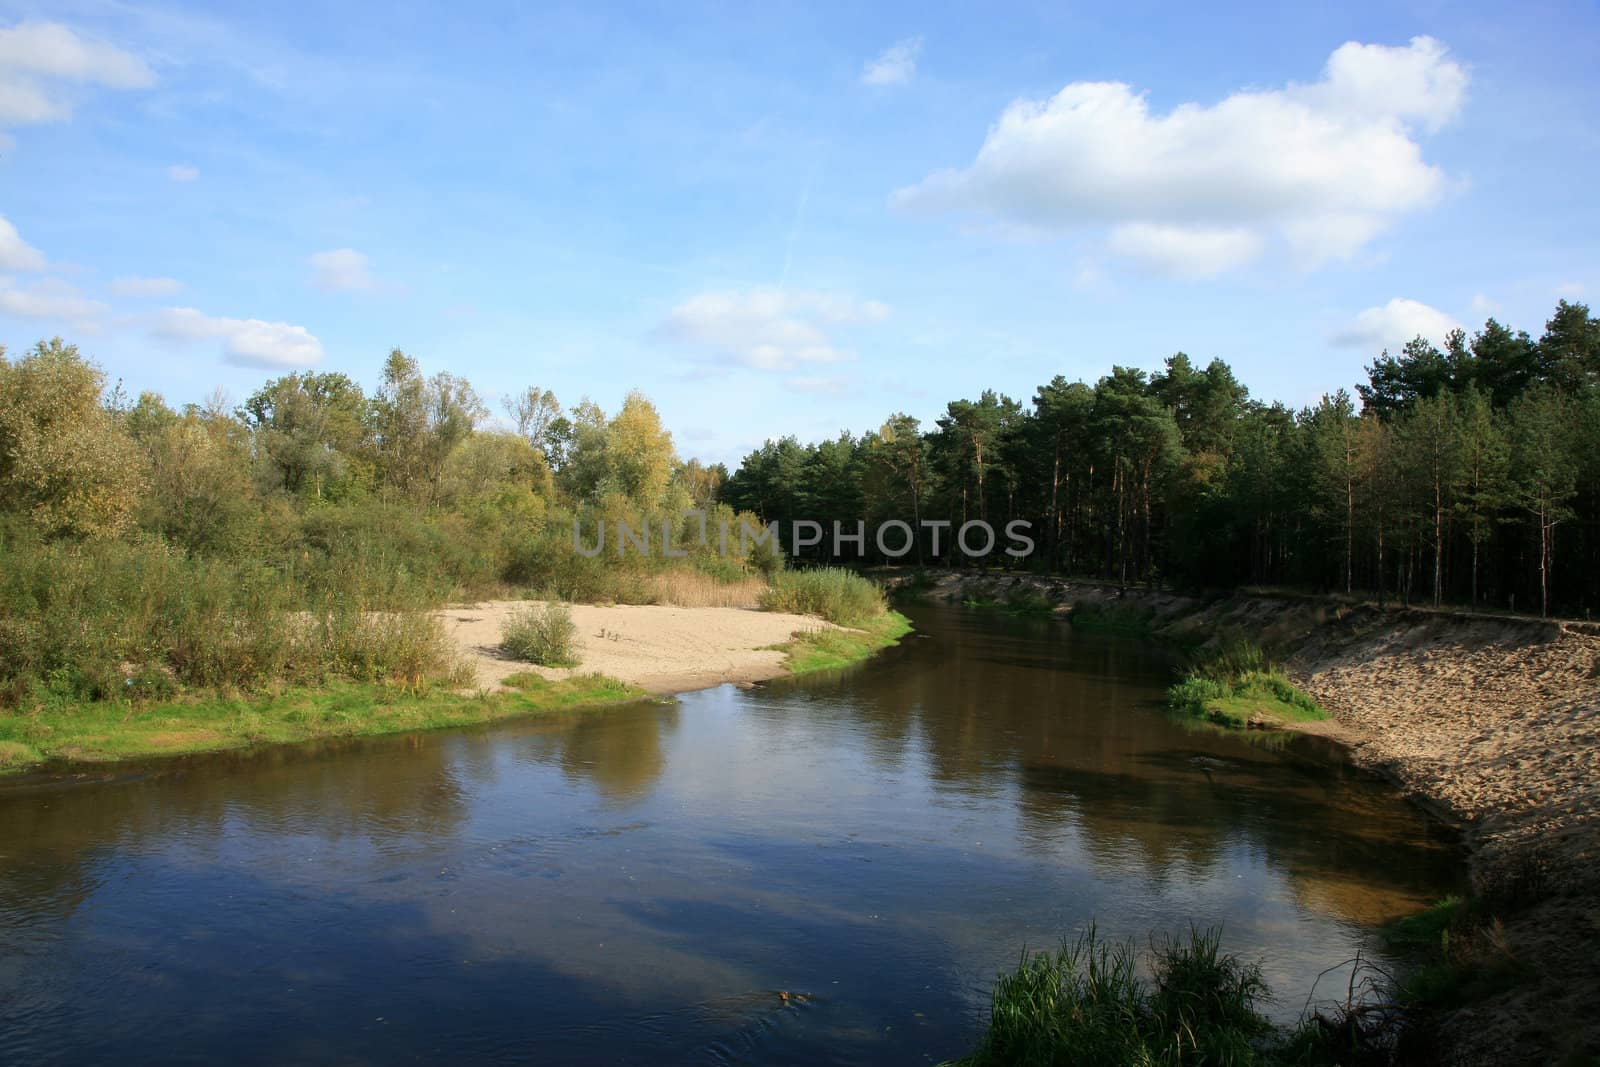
(660, 649)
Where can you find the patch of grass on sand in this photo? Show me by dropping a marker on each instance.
(821, 650)
(108, 731)
(1241, 686)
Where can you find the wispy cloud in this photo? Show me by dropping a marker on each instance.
(896, 66)
(183, 172)
(145, 288)
(769, 329)
(342, 270)
(42, 64)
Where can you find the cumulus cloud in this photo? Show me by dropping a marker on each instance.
(342, 270)
(183, 172)
(40, 62)
(1395, 323)
(769, 329)
(145, 288)
(15, 253)
(246, 342)
(49, 298)
(896, 66)
(1323, 167)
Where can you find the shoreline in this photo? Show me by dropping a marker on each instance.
(629, 653)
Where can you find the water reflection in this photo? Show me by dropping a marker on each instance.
(646, 882)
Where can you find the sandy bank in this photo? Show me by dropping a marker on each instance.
(658, 648)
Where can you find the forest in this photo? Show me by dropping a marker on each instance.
(147, 548)
(1468, 476)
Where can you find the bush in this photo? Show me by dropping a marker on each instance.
(1239, 684)
(840, 596)
(542, 634)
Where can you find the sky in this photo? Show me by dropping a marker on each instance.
(786, 218)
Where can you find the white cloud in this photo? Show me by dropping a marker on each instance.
(247, 342)
(1395, 323)
(342, 270)
(1187, 252)
(145, 288)
(39, 60)
(1323, 167)
(1483, 304)
(816, 384)
(15, 253)
(49, 298)
(183, 172)
(770, 329)
(896, 66)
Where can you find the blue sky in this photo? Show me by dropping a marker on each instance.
(785, 218)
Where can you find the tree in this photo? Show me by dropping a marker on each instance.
(308, 429)
(639, 456)
(1569, 351)
(537, 415)
(1430, 434)
(65, 460)
(900, 451)
(1545, 469)
(1395, 384)
(1485, 456)
(1331, 427)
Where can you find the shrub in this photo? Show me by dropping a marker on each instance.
(1239, 684)
(840, 596)
(542, 634)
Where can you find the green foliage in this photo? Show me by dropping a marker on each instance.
(1239, 685)
(1097, 617)
(840, 596)
(542, 634)
(1088, 1003)
(825, 650)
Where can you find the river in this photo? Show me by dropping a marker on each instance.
(825, 869)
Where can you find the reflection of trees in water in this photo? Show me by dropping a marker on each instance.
(1000, 708)
(53, 836)
(619, 750)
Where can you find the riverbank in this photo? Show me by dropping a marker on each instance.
(1492, 723)
(626, 652)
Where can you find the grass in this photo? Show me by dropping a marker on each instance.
(1089, 1003)
(1240, 685)
(542, 634)
(1020, 600)
(104, 731)
(1459, 950)
(695, 589)
(842, 597)
(822, 650)
(1122, 619)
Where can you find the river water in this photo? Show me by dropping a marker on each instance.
(828, 869)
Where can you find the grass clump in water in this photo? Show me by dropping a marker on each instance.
(842, 597)
(822, 650)
(542, 634)
(1240, 685)
(1122, 619)
(1088, 1003)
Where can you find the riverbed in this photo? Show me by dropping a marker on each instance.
(823, 869)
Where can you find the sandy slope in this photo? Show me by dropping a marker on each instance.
(657, 648)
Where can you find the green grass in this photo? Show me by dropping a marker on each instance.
(822, 650)
(842, 597)
(1122, 619)
(104, 731)
(1240, 685)
(1458, 953)
(1023, 601)
(542, 634)
(1090, 1003)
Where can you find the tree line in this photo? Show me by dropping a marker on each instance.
(1468, 475)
